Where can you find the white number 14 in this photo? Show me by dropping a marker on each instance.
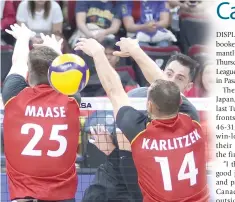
(182, 175)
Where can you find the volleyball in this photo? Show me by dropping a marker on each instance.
(68, 74)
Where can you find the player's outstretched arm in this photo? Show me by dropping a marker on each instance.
(130, 47)
(21, 50)
(51, 42)
(109, 78)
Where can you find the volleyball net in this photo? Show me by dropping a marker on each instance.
(96, 111)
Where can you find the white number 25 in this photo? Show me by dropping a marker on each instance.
(182, 175)
(38, 133)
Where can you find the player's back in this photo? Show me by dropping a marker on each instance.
(41, 129)
(170, 159)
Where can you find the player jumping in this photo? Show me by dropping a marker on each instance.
(41, 126)
(168, 148)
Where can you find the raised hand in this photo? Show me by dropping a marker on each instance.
(51, 42)
(126, 46)
(20, 32)
(101, 138)
(89, 46)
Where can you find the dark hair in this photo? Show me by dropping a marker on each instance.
(110, 43)
(32, 8)
(187, 62)
(40, 58)
(166, 96)
(203, 91)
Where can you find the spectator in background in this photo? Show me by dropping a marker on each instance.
(94, 87)
(8, 17)
(203, 87)
(205, 82)
(192, 8)
(41, 16)
(207, 79)
(153, 16)
(96, 19)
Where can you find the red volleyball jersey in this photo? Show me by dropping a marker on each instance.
(41, 130)
(171, 162)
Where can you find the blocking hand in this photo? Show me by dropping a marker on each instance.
(51, 42)
(20, 31)
(89, 46)
(126, 46)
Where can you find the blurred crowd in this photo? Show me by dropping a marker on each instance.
(158, 25)
(163, 28)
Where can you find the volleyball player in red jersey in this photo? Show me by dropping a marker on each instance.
(168, 148)
(41, 126)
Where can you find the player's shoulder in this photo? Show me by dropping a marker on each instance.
(131, 121)
(75, 98)
(187, 119)
(12, 86)
(128, 112)
(27, 93)
(74, 101)
(188, 108)
(21, 95)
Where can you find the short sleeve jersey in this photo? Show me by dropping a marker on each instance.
(41, 130)
(169, 156)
